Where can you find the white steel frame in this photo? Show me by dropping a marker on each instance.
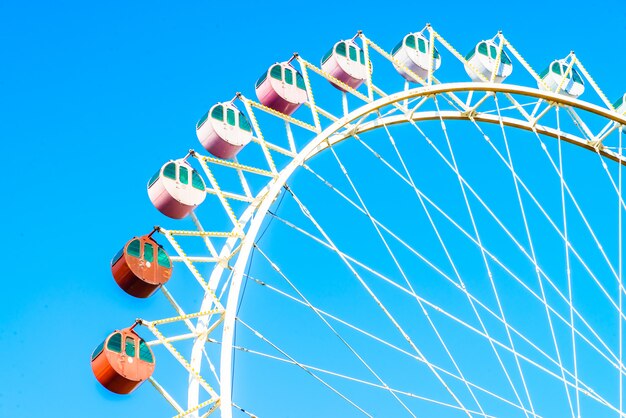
(330, 136)
(235, 253)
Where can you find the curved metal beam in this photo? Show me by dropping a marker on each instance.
(485, 118)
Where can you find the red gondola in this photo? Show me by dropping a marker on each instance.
(141, 267)
(123, 361)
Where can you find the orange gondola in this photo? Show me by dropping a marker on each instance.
(123, 361)
(141, 267)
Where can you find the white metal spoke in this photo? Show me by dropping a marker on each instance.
(534, 257)
(621, 283)
(522, 249)
(612, 180)
(453, 265)
(315, 376)
(248, 413)
(553, 224)
(404, 276)
(567, 262)
(307, 213)
(582, 215)
(485, 260)
(583, 387)
(356, 380)
(495, 259)
(384, 342)
(333, 330)
(570, 247)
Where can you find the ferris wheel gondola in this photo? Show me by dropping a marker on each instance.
(141, 267)
(176, 189)
(123, 361)
(413, 52)
(224, 130)
(483, 62)
(562, 76)
(346, 62)
(281, 88)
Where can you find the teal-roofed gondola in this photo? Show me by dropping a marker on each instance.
(483, 61)
(224, 130)
(346, 62)
(142, 266)
(620, 104)
(176, 189)
(559, 76)
(281, 87)
(413, 53)
(123, 361)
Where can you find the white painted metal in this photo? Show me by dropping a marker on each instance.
(240, 243)
(332, 135)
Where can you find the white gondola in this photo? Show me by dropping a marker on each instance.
(573, 84)
(413, 52)
(346, 62)
(620, 105)
(224, 130)
(176, 189)
(484, 60)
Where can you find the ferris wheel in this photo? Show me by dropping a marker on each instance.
(406, 233)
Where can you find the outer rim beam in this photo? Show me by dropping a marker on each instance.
(486, 118)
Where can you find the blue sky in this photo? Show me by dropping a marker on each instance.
(95, 96)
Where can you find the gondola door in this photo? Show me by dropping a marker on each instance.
(353, 58)
(182, 180)
(129, 351)
(287, 80)
(147, 262)
(231, 123)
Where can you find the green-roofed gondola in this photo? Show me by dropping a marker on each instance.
(482, 62)
(559, 76)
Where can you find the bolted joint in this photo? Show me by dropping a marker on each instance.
(223, 263)
(470, 113)
(597, 145)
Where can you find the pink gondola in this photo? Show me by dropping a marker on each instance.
(346, 62)
(281, 88)
(176, 189)
(224, 130)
